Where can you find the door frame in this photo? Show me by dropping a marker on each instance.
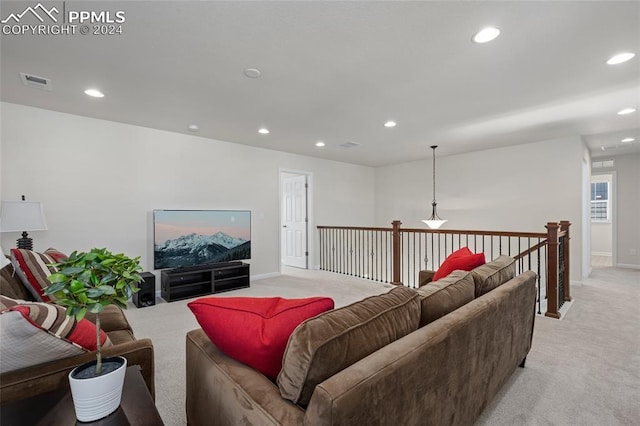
(613, 206)
(310, 218)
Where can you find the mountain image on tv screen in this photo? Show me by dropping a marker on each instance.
(198, 237)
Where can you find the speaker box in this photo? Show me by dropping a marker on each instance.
(147, 294)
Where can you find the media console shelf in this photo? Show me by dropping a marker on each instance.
(198, 281)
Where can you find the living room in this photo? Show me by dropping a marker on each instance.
(101, 166)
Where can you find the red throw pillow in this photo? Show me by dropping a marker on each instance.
(461, 252)
(464, 251)
(255, 330)
(53, 319)
(458, 260)
(33, 269)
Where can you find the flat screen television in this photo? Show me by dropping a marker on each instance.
(183, 238)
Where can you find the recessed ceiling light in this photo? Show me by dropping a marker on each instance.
(193, 127)
(263, 131)
(390, 123)
(95, 93)
(626, 111)
(626, 140)
(252, 72)
(620, 58)
(485, 35)
(319, 144)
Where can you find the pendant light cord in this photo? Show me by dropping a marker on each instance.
(434, 172)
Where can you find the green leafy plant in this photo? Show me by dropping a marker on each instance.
(87, 282)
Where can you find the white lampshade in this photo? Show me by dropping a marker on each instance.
(434, 224)
(20, 216)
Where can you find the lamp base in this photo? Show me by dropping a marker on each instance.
(25, 242)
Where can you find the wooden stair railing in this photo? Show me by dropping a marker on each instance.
(395, 255)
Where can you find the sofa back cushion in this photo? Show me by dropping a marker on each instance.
(32, 268)
(36, 332)
(11, 285)
(447, 294)
(322, 346)
(493, 274)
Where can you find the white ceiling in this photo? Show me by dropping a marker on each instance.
(336, 71)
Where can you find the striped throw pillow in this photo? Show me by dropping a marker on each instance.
(34, 333)
(32, 269)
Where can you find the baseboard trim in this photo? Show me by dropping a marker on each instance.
(627, 265)
(589, 272)
(565, 308)
(263, 276)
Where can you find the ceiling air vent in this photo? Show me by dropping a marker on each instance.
(36, 82)
(350, 144)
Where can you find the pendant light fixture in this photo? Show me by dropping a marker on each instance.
(434, 222)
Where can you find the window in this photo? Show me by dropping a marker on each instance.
(600, 201)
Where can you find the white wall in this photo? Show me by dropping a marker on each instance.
(99, 182)
(602, 232)
(516, 188)
(627, 211)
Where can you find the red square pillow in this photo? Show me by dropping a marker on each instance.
(464, 251)
(255, 330)
(461, 252)
(462, 259)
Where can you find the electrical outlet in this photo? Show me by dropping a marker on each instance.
(633, 252)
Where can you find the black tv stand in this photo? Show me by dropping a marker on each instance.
(206, 266)
(194, 281)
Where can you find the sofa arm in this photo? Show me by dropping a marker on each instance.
(425, 277)
(26, 382)
(226, 392)
(112, 318)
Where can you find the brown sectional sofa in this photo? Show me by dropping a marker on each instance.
(456, 353)
(37, 379)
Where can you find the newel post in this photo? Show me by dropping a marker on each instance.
(564, 227)
(396, 252)
(552, 270)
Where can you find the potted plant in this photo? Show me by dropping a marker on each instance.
(87, 282)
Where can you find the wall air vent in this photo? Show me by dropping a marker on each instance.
(350, 144)
(604, 164)
(36, 82)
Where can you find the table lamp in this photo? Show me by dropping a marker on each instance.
(22, 216)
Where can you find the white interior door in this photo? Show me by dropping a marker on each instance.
(294, 221)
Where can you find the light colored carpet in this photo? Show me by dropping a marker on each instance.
(167, 325)
(583, 370)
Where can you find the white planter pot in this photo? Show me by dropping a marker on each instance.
(97, 397)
